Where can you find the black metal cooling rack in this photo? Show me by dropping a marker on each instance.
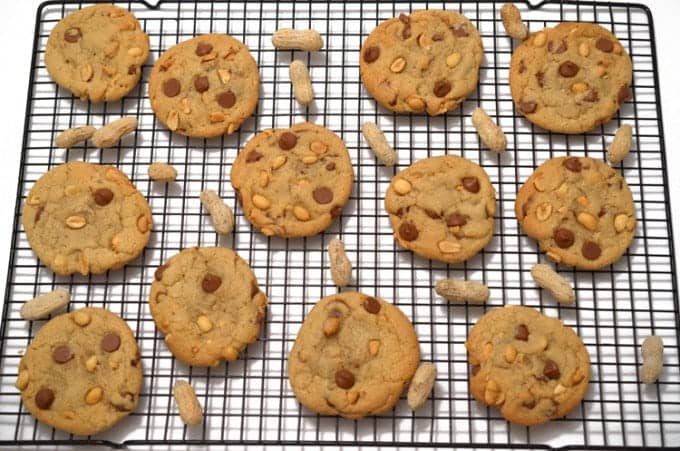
(249, 401)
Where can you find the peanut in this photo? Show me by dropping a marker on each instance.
(302, 83)
(111, 133)
(547, 278)
(161, 172)
(587, 220)
(398, 65)
(652, 359)
(402, 186)
(491, 134)
(620, 222)
(72, 136)
(376, 139)
(76, 222)
(301, 213)
(261, 202)
(341, 267)
(512, 22)
(204, 323)
(189, 408)
(45, 304)
(539, 39)
(621, 144)
(94, 395)
(453, 59)
(421, 385)
(290, 39)
(220, 213)
(461, 291)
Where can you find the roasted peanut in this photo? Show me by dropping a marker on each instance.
(512, 22)
(421, 385)
(547, 278)
(45, 304)
(189, 408)
(376, 139)
(290, 39)
(341, 268)
(162, 172)
(461, 291)
(652, 359)
(111, 133)
(620, 146)
(490, 133)
(220, 213)
(302, 83)
(72, 136)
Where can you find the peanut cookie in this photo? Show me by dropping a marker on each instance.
(442, 208)
(86, 218)
(580, 210)
(571, 78)
(97, 53)
(428, 61)
(82, 372)
(293, 182)
(531, 367)
(353, 356)
(207, 303)
(205, 87)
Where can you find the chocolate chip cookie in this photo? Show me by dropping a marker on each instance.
(428, 61)
(205, 87)
(293, 182)
(531, 367)
(442, 208)
(207, 303)
(86, 218)
(82, 372)
(580, 210)
(571, 78)
(97, 53)
(353, 356)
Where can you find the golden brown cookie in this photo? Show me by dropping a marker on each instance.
(353, 356)
(570, 78)
(580, 210)
(531, 367)
(428, 61)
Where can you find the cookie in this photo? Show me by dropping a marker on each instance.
(97, 53)
(82, 372)
(531, 367)
(86, 218)
(428, 61)
(293, 182)
(571, 78)
(353, 356)
(207, 303)
(442, 208)
(580, 210)
(205, 87)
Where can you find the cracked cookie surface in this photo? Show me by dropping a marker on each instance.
(579, 209)
(86, 218)
(426, 61)
(353, 356)
(570, 78)
(82, 372)
(293, 182)
(97, 53)
(205, 87)
(531, 367)
(207, 303)
(442, 208)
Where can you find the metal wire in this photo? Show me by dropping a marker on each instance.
(250, 401)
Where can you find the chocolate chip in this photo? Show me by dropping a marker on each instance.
(226, 99)
(330, 166)
(540, 78)
(601, 213)
(471, 184)
(525, 209)
(287, 141)
(592, 96)
(253, 156)
(527, 107)
(72, 35)
(557, 49)
(404, 18)
(432, 214)
(460, 31)
(322, 195)
(371, 54)
(529, 403)
(203, 48)
(62, 354)
(406, 33)
(573, 164)
(344, 379)
(591, 250)
(604, 45)
(371, 305)
(441, 88)
(201, 83)
(564, 238)
(568, 69)
(624, 94)
(210, 283)
(38, 214)
(103, 196)
(456, 220)
(522, 67)
(110, 342)
(336, 211)
(158, 275)
(408, 231)
(551, 370)
(522, 333)
(44, 398)
(475, 369)
(171, 87)
(132, 69)
(437, 37)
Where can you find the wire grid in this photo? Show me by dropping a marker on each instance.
(250, 400)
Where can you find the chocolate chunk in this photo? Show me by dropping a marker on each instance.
(456, 220)
(344, 379)
(604, 45)
(253, 156)
(529, 403)
(211, 283)
(522, 333)
(591, 250)
(460, 31)
(551, 370)
(322, 195)
(408, 231)
(437, 37)
(522, 67)
(471, 184)
(72, 35)
(103, 196)
(441, 88)
(330, 166)
(624, 94)
(475, 369)
(371, 305)
(371, 54)
(336, 211)
(38, 214)
(557, 49)
(431, 213)
(226, 99)
(62, 354)
(203, 48)
(110, 342)
(287, 141)
(540, 78)
(404, 18)
(525, 209)
(601, 213)
(527, 107)
(171, 87)
(201, 83)
(564, 238)
(158, 275)
(406, 33)
(44, 398)
(573, 164)
(568, 69)
(592, 96)
(132, 69)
